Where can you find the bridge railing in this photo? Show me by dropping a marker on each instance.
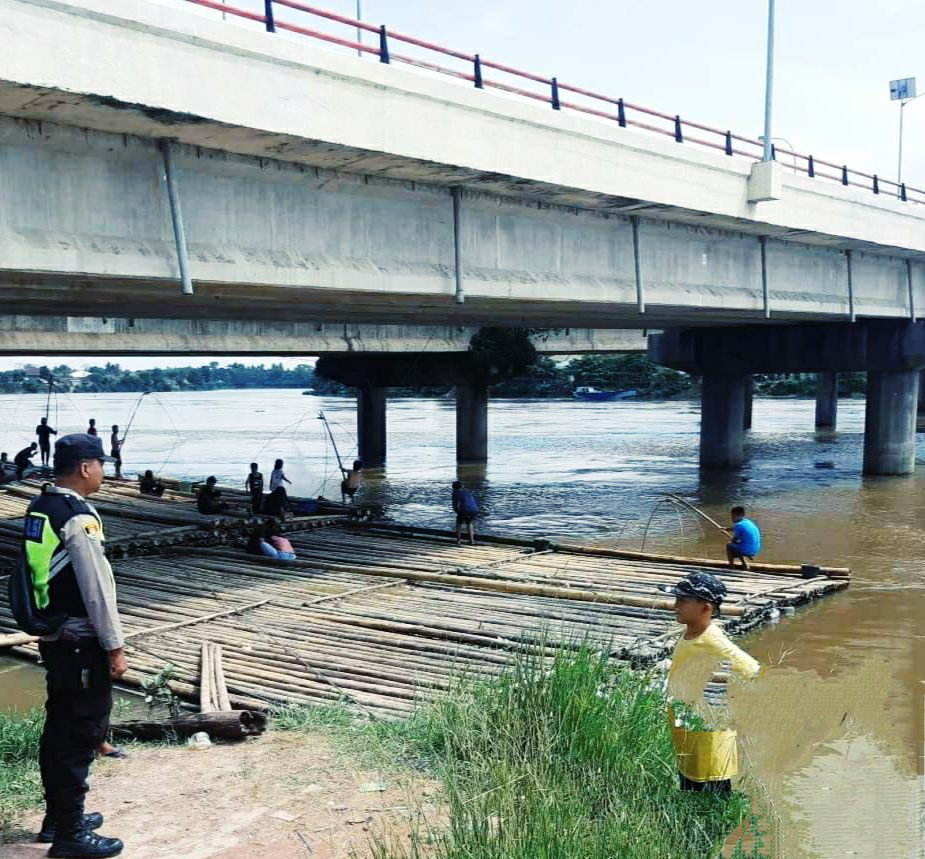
(487, 74)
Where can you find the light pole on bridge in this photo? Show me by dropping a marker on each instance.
(769, 85)
(903, 91)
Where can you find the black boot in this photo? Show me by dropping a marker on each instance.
(50, 825)
(84, 845)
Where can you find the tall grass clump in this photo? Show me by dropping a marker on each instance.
(20, 783)
(564, 760)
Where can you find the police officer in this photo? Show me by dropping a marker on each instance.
(63, 547)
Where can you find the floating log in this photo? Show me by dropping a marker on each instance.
(230, 725)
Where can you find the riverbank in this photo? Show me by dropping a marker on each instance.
(572, 759)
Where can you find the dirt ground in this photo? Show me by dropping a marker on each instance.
(285, 795)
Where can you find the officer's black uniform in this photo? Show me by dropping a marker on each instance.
(62, 530)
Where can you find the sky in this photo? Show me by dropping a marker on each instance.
(702, 59)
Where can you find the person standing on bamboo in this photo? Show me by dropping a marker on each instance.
(278, 476)
(707, 756)
(73, 583)
(254, 485)
(115, 450)
(466, 509)
(45, 432)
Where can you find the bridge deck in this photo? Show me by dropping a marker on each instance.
(383, 619)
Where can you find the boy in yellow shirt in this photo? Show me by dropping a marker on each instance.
(706, 759)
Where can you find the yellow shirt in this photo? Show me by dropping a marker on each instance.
(694, 661)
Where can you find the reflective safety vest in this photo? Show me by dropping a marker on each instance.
(54, 583)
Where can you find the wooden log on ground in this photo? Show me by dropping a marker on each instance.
(230, 725)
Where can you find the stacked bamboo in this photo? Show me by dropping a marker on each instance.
(213, 693)
(381, 619)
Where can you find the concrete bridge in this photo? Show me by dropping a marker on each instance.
(319, 189)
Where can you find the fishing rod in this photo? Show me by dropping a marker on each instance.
(131, 419)
(51, 384)
(321, 417)
(679, 500)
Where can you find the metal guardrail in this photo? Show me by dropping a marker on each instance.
(624, 113)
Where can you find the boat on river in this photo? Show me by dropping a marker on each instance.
(595, 395)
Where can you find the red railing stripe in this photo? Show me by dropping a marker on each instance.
(913, 194)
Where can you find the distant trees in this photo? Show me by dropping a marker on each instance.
(545, 377)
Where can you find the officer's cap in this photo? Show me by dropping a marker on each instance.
(77, 446)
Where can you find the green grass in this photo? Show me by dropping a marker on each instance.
(569, 761)
(20, 784)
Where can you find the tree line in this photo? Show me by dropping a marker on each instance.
(545, 377)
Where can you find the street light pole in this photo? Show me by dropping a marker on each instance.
(902, 106)
(769, 82)
(359, 29)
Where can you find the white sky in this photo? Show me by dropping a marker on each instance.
(703, 59)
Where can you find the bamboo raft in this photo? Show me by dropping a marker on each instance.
(383, 618)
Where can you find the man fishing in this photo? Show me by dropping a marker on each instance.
(45, 432)
(23, 460)
(746, 539)
(72, 582)
(351, 482)
(707, 758)
(115, 450)
(466, 509)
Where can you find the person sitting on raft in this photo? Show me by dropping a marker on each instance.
(351, 482)
(208, 499)
(271, 544)
(707, 759)
(746, 539)
(149, 485)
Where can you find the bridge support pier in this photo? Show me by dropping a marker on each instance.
(889, 421)
(826, 400)
(722, 421)
(749, 400)
(471, 423)
(921, 409)
(371, 426)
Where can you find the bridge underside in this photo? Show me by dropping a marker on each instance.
(74, 335)
(85, 227)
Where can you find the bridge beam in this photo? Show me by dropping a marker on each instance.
(891, 352)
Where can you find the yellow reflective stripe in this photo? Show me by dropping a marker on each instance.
(38, 556)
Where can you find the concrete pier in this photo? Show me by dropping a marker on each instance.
(889, 422)
(371, 428)
(722, 421)
(826, 400)
(749, 399)
(471, 423)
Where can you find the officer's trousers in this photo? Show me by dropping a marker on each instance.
(76, 722)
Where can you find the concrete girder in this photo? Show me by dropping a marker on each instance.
(880, 345)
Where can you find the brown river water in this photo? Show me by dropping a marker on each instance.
(833, 733)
